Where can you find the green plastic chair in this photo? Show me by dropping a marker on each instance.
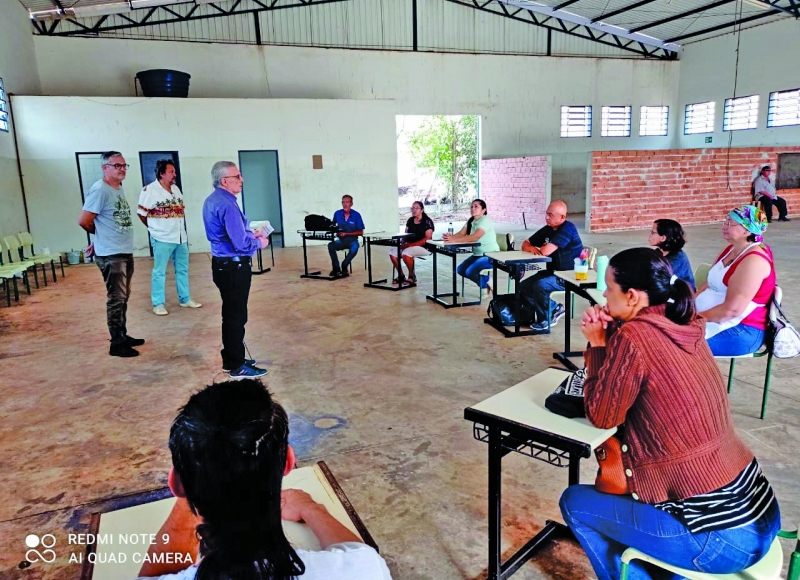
(768, 568)
(27, 240)
(766, 351)
(11, 245)
(506, 243)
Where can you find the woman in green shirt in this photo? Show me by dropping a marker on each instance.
(479, 229)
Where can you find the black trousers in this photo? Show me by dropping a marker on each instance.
(778, 202)
(233, 281)
(117, 272)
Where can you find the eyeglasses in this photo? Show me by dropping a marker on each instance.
(729, 222)
(117, 165)
(654, 233)
(239, 176)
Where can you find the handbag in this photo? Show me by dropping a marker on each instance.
(786, 340)
(567, 399)
(611, 472)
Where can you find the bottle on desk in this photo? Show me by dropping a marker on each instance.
(450, 229)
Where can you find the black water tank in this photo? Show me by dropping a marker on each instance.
(164, 83)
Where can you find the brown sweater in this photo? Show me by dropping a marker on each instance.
(660, 379)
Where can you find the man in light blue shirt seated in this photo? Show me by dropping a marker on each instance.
(350, 227)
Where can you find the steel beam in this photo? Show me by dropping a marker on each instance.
(577, 26)
(171, 17)
(621, 10)
(723, 26)
(681, 15)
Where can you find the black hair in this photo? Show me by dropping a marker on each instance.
(672, 230)
(348, 196)
(646, 270)
(472, 219)
(424, 215)
(229, 446)
(161, 166)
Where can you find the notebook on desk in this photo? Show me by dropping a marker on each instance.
(316, 480)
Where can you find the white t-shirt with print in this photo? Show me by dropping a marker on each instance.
(345, 561)
(164, 211)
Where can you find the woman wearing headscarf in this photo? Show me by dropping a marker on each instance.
(735, 298)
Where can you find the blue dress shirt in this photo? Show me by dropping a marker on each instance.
(226, 226)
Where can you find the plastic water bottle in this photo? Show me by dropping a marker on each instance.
(450, 229)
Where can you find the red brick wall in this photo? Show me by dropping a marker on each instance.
(630, 189)
(511, 186)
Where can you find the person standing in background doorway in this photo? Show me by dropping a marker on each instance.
(161, 210)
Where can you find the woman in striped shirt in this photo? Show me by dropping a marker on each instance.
(698, 499)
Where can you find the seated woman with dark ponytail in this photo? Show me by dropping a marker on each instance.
(698, 499)
(230, 452)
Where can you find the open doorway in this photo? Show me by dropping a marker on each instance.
(261, 193)
(437, 164)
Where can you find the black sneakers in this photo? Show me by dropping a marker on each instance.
(130, 341)
(123, 350)
(335, 274)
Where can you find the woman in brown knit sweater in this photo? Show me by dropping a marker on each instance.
(698, 498)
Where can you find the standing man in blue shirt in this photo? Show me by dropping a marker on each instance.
(107, 215)
(350, 227)
(232, 246)
(560, 240)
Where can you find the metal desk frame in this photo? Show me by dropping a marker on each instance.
(515, 269)
(572, 287)
(391, 240)
(259, 259)
(451, 250)
(505, 435)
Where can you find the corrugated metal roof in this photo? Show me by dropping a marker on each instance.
(442, 25)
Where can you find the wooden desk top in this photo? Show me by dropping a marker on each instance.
(523, 404)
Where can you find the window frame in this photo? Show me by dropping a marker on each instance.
(664, 113)
(5, 118)
(753, 100)
(713, 109)
(588, 111)
(606, 109)
(770, 111)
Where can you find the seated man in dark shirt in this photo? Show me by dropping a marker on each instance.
(560, 240)
(350, 227)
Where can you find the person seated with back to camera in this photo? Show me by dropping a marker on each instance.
(230, 450)
(479, 228)
(697, 497)
(737, 293)
(422, 227)
(669, 238)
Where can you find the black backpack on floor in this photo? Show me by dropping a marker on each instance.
(501, 308)
(319, 223)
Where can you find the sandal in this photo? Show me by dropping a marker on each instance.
(411, 280)
(400, 280)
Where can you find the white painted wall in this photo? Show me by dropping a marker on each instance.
(768, 62)
(20, 77)
(518, 97)
(356, 140)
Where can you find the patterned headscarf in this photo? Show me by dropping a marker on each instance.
(752, 219)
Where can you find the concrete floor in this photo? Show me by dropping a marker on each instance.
(394, 372)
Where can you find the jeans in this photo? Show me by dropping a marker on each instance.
(536, 291)
(117, 272)
(739, 340)
(471, 268)
(233, 281)
(778, 202)
(349, 243)
(606, 525)
(162, 252)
